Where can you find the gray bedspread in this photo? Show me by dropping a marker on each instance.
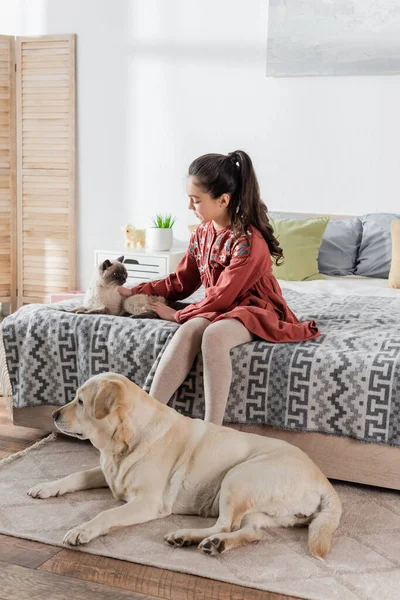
(346, 382)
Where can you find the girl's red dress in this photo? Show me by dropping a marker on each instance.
(239, 284)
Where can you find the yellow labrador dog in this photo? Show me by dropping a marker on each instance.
(161, 463)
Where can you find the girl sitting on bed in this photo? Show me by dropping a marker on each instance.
(230, 253)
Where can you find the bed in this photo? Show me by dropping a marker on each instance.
(336, 397)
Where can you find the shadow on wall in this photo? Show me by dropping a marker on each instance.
(136, 128)
(103, 165)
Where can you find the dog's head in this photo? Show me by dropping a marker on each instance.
(102, 412)
(113, 272)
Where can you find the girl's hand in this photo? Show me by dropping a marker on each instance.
(163, 311)
(124, 291)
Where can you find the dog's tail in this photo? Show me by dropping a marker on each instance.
(324, 524)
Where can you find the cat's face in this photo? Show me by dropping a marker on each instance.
(113, 272)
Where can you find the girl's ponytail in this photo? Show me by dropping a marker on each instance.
(249, 209)
(234, 174)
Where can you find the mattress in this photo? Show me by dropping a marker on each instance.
(345, 382)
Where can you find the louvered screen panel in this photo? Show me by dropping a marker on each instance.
(46, 166)
(7, 173)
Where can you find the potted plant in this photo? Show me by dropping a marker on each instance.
(160, 237)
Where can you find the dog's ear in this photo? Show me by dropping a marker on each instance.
(106, 264)
(111, 398)
(108, 398)
(121, 259)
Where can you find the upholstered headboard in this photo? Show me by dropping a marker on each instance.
(314, 215)
(297, 214)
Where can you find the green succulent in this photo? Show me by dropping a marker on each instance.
(163, 221)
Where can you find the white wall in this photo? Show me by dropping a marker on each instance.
(163, 81)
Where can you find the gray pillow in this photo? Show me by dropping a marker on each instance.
(375, 254)
(340, 243)
(339, 248)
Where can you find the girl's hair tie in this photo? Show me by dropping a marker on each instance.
(233, 157)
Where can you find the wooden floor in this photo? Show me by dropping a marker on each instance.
(33, 571)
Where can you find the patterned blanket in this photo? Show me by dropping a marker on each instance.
(346, 382)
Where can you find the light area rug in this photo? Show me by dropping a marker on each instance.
(364, 562)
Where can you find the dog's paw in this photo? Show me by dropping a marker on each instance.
(45, 490)
(212, 545)
(177, 539)
(78, 536)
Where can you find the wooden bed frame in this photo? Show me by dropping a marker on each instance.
(338, 457)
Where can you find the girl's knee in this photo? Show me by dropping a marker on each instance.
(225, 335)
(212, 337)
(193, 331)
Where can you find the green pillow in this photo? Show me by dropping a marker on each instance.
(300, 240)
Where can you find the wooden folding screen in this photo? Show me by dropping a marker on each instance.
(8, 212)
(37, 168)
(45, 118)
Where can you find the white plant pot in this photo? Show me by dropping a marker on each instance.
(159, 239)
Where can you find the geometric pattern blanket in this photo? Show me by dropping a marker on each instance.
(346, 382)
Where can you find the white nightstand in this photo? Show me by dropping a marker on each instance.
(142, 264)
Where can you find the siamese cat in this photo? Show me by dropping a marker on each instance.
(102, 296)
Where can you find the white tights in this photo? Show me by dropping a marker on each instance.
(215, 340)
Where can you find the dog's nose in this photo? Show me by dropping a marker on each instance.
(56, 414)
